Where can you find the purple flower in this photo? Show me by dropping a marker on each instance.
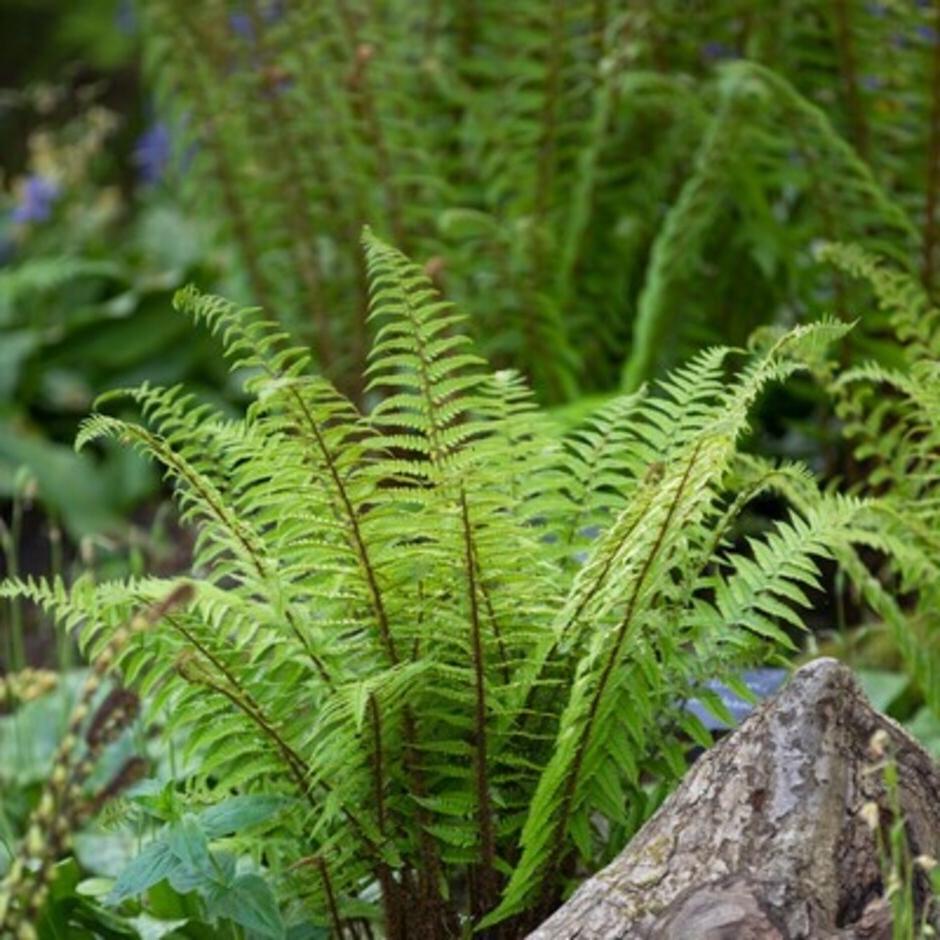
(928, 34)
(126, 18)
(716, 51)
(152, 152)
(872, 82)
(36, 199)
(241, 25)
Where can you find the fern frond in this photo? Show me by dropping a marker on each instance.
(749, 97)
(452, 636)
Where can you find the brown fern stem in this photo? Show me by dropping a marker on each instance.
(933, 166)
(395, 927)
(431, 907)
(849, 75)
(335, 920)
(623, 632)
(486, 876)
(355, 530)
(362, 95)
(207, 119)
(494, 622)
(432, 910)
(278, 125)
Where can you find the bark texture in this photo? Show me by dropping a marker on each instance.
(764, 839)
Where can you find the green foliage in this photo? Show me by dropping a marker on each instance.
(891, 416)
(582, 178)
(455, 640)
(83, 294)
(739, 201)
(181, 857)
(910, 884)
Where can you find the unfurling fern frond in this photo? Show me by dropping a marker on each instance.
(455, 640)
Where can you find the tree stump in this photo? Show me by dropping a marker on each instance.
(765, 839)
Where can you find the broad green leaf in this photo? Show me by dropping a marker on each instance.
(239, 813)
(154, 863)
(249, 902)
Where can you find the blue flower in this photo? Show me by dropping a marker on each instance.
(126, 18)
(928, 34)
(716, 51)
(152, 152)
(241, 25)
(872, 82)
(36, 199)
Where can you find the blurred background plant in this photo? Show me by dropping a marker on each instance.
(92, 246)
(585, 178)
(604, 187)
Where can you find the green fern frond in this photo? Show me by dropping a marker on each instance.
(451, 635)
(750, 96)
(890, 417)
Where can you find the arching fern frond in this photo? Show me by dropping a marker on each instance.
(762, 122)
(891, 417)
(452, 637)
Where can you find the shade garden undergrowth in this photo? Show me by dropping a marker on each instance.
(429, 666)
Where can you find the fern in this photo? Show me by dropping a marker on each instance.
(890, 416)
(455, 639)
(621, 180)
(745, 167)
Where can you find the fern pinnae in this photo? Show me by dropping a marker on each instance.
(597, 570)
(489, 696)
(208, 502)
(594, 463)
(283, 369)
(310, 787)
(352, 520)
(546, 827)
(234, 694)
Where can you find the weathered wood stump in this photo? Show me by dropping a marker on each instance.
(765, 838)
